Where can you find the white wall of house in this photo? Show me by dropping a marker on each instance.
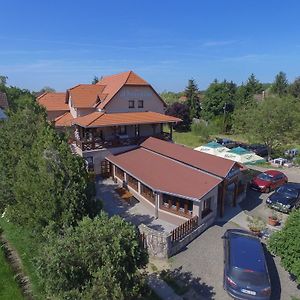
(120, 103)
(100, 155)
(209, 219)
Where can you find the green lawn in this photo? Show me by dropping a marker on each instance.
(187, 139)
(9, 288)
(27, 248)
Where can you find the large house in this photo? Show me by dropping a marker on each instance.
(118, 126)
(114, 115)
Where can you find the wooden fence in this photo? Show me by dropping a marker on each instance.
(184, 229)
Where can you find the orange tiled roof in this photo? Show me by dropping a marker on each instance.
(53, 101)
(115, 82)
(86, 95)
(100, 119)
(65, 120)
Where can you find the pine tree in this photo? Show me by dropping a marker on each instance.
(280, 85)
(192, 94)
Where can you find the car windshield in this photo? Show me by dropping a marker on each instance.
(288, 192)
(265, 176)
(249, 276)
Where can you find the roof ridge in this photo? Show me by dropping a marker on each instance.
(101, 114)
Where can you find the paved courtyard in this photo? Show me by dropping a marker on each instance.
(203, 258)
(135, 212)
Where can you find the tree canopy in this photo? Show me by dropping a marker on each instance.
(40, 179)
(181, 111)
(98, 259)
(294, 88)
(280, 84)
(219, 96)
(285, 243)
(272, 122)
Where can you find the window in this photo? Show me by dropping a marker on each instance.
(119, 173)
(206, 207)
(141, 104)
(132, 182)
(131, 103)
(177, 205)
(147, 193)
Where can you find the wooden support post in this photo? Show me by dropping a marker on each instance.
(222, 208)
(171, 131)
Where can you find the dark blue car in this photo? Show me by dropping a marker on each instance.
(246, 275)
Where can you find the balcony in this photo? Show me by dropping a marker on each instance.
(98, 144)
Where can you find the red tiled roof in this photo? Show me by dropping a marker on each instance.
(98, 119)
(209, 163)
(165, 175)
(65, 120)
(86, 95)
(115, 82)
(3, 101)
(53, 101)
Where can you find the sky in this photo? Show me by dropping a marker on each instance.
(61, 43)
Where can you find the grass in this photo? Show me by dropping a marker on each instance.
(27, 248)
(188, 139)
(9, 288)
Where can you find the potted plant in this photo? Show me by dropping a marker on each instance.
(273, 219)
(256, 225)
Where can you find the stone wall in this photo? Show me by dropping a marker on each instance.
(159, 244)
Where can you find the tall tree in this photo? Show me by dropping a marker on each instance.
(47, 89)
(193, 102)
(272, 122)
(98, 259)
(219, 99)
(280, 85)
(294, 88)
(245, 92)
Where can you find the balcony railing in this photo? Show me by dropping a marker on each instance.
(117, 142)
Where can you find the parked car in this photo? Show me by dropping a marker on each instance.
(258, 149)
(285, 198)
(291, 152)
(226, 142)
(246, 273)
(268, 181)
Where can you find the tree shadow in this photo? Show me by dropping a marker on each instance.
(274, 276)
(191, 287)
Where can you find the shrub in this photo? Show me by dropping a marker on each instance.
(285, 243)
(98, 259)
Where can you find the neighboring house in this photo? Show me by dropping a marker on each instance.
(114, 115)
(178, 183)
(54, 103)
(3, 106)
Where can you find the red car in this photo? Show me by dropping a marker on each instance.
(268, 181)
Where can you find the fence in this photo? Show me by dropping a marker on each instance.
(184, 229)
